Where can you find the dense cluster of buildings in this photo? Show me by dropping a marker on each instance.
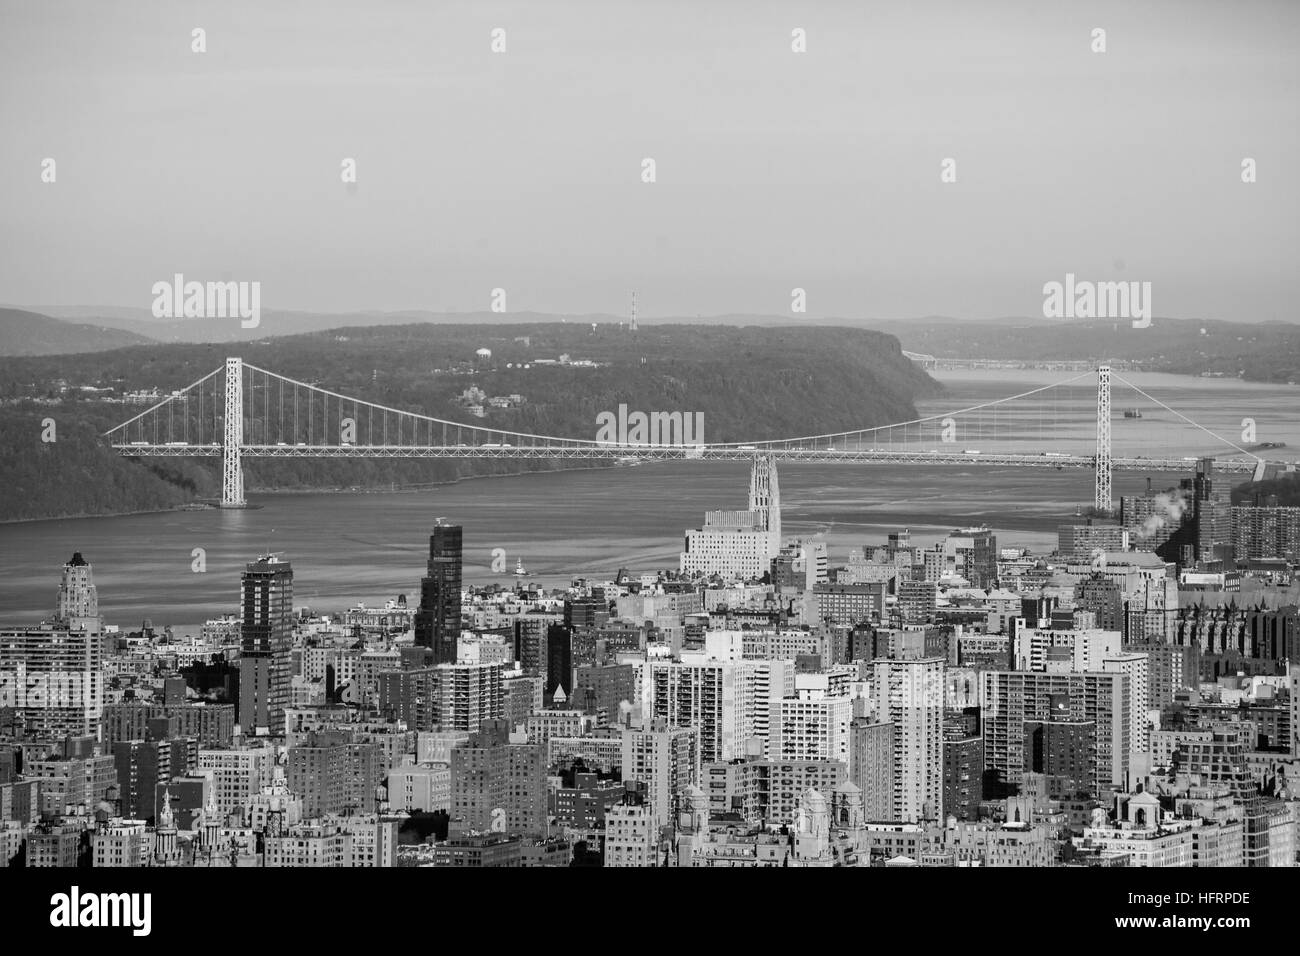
(1129, 700)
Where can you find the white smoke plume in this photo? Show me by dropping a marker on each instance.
(1172, 508)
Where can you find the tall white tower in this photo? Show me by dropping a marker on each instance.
(632, 325)
(1103, 496)
(765, 497)
(232, 469)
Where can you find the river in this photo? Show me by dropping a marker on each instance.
(367, 547)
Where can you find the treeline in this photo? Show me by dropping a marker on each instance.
(750, 384)
(76, 473)
(1286, 487)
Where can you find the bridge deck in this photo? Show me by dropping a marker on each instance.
(679, 453)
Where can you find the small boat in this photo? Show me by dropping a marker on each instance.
(1132, 413)
(520, 570)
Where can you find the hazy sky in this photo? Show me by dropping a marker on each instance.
(522, 170)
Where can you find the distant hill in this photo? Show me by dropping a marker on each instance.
(750, 384)
(276, 322)
(1256, 351)
(30, 333)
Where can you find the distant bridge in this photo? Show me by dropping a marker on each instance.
(242, 411)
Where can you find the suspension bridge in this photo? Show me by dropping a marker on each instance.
(241, 411)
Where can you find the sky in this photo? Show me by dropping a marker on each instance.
(775, 170)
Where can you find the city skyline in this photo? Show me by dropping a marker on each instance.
(602, 434)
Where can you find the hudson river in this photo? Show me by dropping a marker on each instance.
(367, 547)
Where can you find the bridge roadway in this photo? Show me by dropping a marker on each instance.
(592, 452)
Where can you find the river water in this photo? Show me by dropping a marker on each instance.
(367, 547)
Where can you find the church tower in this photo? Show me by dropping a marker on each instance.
(692, 823)
(765, 498)
(165, 832)
(849, 806)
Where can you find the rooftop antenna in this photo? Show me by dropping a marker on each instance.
(632, 326)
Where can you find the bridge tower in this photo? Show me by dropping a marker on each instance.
(1103, 497)
(232, 468)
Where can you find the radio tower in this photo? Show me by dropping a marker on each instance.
(632, 325)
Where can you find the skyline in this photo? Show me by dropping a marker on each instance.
(358, 509)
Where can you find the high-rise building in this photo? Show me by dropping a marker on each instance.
(1136, 668)
(917, 599)
(559, 666)
(437, 622)
(604, 691)
(1061, 748)
(910, 695)
(449, 697)
(51, 675)
(765, 497)
(1079, 542)
(727, 701)
(587, 611)
(631, 833)
(212, 724)
(266, 643)
(1171, 668)
(871, 766)
(849, 603)
(1010, 699)
(1266, 530)
(740, 544)
(498, 785)
(963, 772)
(237, 774)
(467, 695)
(973, 554)
(810, 728)
(143, 764)
(53, 678)
(665, 760)
(1205, 531)
(77, 606)
(72, 776)
(1075, 649)
(410, 695)
(1104, 597)
(335, 774)
(767, 791)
